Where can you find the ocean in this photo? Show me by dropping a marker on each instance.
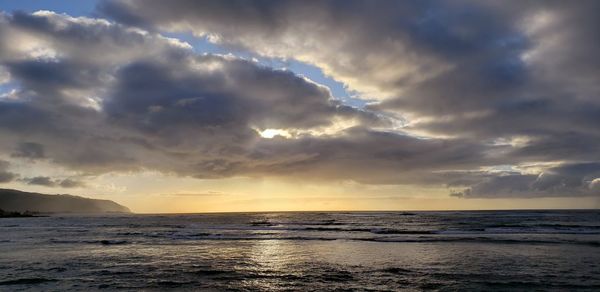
(304, 251)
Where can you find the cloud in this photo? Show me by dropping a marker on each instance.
(363, 155)
(171, 110)
(375, 49)
(5, 175)
(29, 150)
(71, 183)
(579, 179)
(453, 69)
(50, 182)
(505, 75)
(474, 86)
(40, 181)
(198, 92)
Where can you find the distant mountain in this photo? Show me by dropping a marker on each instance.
(17, 201)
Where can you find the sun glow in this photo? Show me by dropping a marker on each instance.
(271, 133)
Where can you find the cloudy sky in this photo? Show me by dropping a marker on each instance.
(188, 106)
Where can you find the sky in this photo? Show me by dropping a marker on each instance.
(213, 106)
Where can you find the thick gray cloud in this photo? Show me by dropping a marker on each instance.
(5, 175)
(407, 41)
(358, 154)
(569, 179)
(171, 111)
(29, 150)
(519, 77)
(478, 84)
(50, 182)
(40, 181)
(71, 183)
(236, 93)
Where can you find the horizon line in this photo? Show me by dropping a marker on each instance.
(369, 211)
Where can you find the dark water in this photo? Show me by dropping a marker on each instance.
(446, 251)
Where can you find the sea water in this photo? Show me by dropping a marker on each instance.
(321, 251)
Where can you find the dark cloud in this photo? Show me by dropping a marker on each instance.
(47, 76)
(581, 179)
(40, 181)
(390, 159)
(71, 183)
(29, 150)
(50, 182)
(174, 95)
(5, 175)
(370, 157)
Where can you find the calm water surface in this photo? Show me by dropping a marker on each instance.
(378, 251)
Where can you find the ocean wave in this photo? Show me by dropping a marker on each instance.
(99, 241)
(110, 242)
(395, 270)
(298, 238)
(504, 229)
(26, 281)
(480, 240)
(397, 236)
(210, 272)
(306, 223)
(401, 231)
(508, 230)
